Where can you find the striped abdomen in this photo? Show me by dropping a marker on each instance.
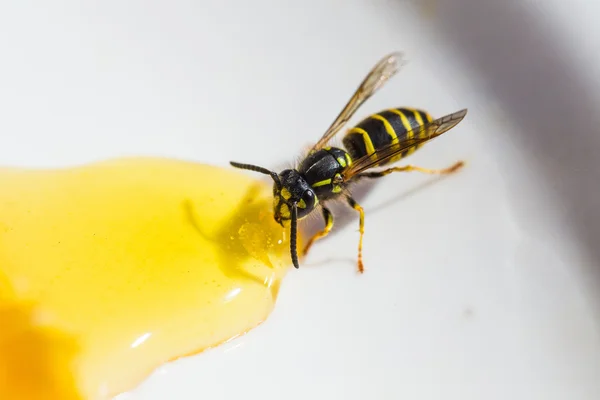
(379, 130)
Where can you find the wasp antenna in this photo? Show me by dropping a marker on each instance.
(256, 168)
(293, 235)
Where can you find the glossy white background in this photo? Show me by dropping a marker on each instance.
(483, 285)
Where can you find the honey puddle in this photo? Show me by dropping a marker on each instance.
(111, 269)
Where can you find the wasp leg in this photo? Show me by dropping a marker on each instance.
(328, 217)
(409, 168)
(361, 228)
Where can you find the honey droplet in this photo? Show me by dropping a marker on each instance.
(139, 261)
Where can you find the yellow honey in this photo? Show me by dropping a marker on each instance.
(111, 269)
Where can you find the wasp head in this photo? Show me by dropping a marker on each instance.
(291, 188)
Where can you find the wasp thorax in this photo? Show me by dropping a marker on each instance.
(293, 190)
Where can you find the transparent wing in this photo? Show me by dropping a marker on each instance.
(386, 68)
(420, 135)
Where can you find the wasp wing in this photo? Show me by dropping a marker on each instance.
(386, 68)
(420, 135)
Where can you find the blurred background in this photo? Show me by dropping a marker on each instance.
(485, 284)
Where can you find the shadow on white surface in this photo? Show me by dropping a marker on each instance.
(528, 64)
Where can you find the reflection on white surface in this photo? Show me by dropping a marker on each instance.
(232, 348)
(470, 291)
(140, 340)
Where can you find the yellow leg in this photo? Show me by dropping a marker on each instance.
(409, 168)
(361, 228)
(328, 225)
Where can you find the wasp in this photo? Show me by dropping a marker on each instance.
(326, 173)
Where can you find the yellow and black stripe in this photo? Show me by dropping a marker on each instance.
(381, 129)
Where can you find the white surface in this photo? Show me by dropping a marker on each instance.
(480, 286)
